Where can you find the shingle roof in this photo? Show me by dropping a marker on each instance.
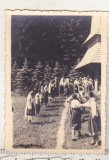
(93, 55)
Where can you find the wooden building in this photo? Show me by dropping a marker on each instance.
(90, 64)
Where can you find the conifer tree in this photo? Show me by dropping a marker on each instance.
(47, 72)
(57, 70)
(71, 73)
(38, 74)
(65, 70)
(23, 79)
(13, 76)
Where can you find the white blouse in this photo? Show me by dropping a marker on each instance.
(92, 103)
(75, 104)
(37, 98)
(30, 100)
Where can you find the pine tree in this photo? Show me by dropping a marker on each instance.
(65, 70)
(38, 74)
(71, 73)
(13, 76)
(23, 79)
(19, 82)
(47, 72)
(57, 70)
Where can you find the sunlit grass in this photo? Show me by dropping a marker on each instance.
(42, 133)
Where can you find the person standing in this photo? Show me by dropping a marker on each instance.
(86, 85)
(81, 94)
(91, 87)
(41, 95)
(50, 90)
(37, 103)
(75, 112)
(46, 95)
(56, 86)
(66, 87)
(30, 110)
(94, 118)
(76, 81)
(61, 86)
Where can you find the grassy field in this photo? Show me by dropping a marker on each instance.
(42, 132)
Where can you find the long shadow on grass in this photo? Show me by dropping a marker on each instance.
(49, 115)
(59, 101)
(52, 109)
(43, 123)
(54, 105)
(27, 146)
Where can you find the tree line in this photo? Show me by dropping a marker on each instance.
(25, 78)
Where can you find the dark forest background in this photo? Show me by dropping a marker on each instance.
(46, 46)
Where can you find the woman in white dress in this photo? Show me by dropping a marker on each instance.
(29, 110)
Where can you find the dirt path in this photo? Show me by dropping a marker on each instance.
(61, 129)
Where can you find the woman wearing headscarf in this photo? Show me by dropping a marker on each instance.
(29, 110)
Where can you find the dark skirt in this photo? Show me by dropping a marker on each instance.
(37, 108)
(94, 124)
(66, 91)
(31, 112)
(46, 97)
(76, 119)
(61, 89)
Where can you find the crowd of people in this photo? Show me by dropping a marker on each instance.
(79, 94)
(82, 97)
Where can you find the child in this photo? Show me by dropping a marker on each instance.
(93, 118)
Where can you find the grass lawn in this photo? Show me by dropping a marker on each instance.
(83, 143)
(42, 133)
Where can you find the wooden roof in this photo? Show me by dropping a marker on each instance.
(93, 55)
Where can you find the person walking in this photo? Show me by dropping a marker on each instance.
(30, 110)
(94, 118)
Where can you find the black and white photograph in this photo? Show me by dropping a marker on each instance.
(56, 81)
